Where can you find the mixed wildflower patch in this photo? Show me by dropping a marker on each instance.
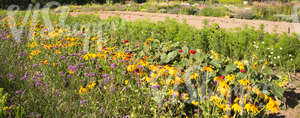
(81, 74)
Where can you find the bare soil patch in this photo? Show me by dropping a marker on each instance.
(197, 21)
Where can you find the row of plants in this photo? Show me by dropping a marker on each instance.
(264, 11)
(141, 69)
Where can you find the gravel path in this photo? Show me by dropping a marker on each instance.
(196, 21)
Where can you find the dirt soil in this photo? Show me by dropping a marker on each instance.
(197, 21)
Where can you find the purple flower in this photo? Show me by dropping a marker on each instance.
(19, 92)
(82, 64)
(25, 76)
(102, 109)
(113, 65)
(62, 57)
(38, 115)
(38, 83)
(92, 74)
(57, 92)
(60, 73)
(11, 76)
(83, 101)
(35, 65)
(127, 116)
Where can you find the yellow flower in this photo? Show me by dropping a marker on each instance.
(131, 68)
(236, 107)
(33, 44)
(170, 82)
(240, 65)
(185, 96)
(179, 80)
(195, 103)
(244, 82)
(216, 55)
(126, 82)
(255, 65)
(265, 64)
(71, 71)
(218, 79)
(207, 69)
(45, 61)
(226, 116)
(57, 52)
(91, 85)
(236, 99)
(82, 90)
(224, 107)
(251, 107)
(272, 106)
(215, 99)
(230, 78)
(194, 76)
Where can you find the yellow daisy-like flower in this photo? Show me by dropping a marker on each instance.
(126, 82)
(207, 69)
(251, 107)
(229, 78)
(185, 96)
(131, 68)
(33, 44)
(194, 76)
(91, 85)
(236, 99)
(179, 80)
(45, 61)
(255, 65)
(272, 106)
(82, 90)
(195, 103)
(71, 71)
(244, 82)
(237, 108)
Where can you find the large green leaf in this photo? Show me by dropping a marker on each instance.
(277, 90)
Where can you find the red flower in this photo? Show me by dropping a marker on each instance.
(137, 45)
(222, 76)
(242, 71)
(125, 41)
(180, 51)
(192, 51)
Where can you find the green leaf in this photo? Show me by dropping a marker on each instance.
(215, 63)
(171, 56)
(230, 68)
(277, 90)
